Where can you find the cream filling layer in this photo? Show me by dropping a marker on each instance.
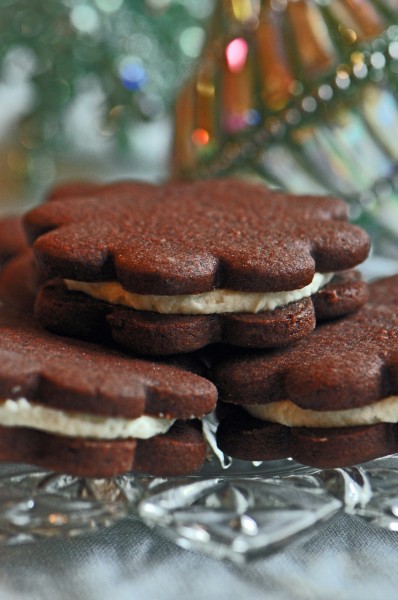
(287, 413)
(22, 413)
(216, 301)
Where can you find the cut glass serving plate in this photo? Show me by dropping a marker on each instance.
(231, 509)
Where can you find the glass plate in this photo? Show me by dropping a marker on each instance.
(231, 510)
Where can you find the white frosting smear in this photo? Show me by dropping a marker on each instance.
(216, 301)
(287, 413)
(22, 413)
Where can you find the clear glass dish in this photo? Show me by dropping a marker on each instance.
(236, 511)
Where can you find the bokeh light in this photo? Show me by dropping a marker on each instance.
(133, 74)
(236, 54)
(85, 18)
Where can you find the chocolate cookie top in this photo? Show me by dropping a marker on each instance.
(191, 238)
(72, 188)
(78, 376)
(344, 364)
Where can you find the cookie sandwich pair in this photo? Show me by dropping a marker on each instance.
(171, 269)
(330, 400)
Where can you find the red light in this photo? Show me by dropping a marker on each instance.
(200, 137)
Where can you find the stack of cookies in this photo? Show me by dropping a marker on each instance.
(135, 283)
(86, 408)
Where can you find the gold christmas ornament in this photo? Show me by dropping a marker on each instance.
(299, 93)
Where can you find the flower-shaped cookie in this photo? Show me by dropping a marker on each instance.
(190, 264)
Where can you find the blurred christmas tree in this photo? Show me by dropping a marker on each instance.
(82, 66)
(303, 95)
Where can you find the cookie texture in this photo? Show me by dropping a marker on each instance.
(192, 238)
(343, 364)
(179, 451)
(19, 281)
(73, 375)
(346, 364)
(146, 332)
(12, 237)
(72, 188)
(343, 295)
(246, 438)
(78, 377)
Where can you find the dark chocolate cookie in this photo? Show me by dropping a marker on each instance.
(246, 438)
(70, 406)
(72, 188)
(210, 261)
(190, 239)
(179, 451)
(12, 237)
(333, 396)
(19, 281)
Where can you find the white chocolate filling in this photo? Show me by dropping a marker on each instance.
(216, 301)
(22, 413)
(287, 413)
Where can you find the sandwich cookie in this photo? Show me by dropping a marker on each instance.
(78, 408)
(330, 400)
(170, 269)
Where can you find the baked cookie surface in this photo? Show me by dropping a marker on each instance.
(190, 239)
(205, 262)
